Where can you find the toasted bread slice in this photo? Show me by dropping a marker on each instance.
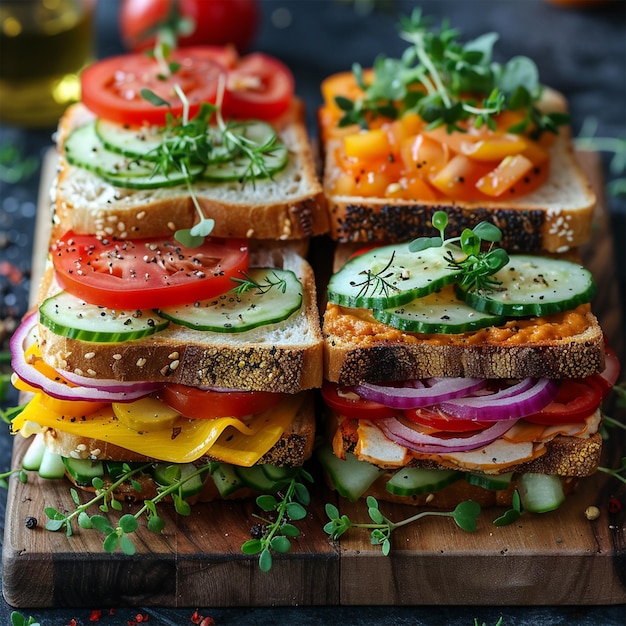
(291, 205)
(553, 218)
(282, 357)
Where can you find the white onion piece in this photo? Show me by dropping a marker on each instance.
(410, 396)
(54, 388)
(524, 398)
(419, 442)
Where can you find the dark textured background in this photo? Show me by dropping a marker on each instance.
(581, 52)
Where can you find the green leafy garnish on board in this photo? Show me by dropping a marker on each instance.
(448, 83)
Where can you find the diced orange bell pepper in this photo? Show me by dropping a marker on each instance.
(494, 148)
(422, 155)
(458, 177)
(508, 172)
(367, 145)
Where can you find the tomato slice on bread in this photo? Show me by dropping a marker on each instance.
(146, 273)
(439, 421)
(198, 403)
(111, 88)
(348, 404)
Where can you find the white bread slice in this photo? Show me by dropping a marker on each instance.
(554, 218)
(284, 357)
(289, 206)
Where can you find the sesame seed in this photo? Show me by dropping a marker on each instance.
(174, 355)
(117, 357)
(165, 370)
(90, 355)
(140, 362)
(78, 372)
(174, 364)
(91, 372)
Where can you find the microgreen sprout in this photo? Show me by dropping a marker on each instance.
(476, 265)
(272, 281)
(449, 84)
(19, 619)
(279, 530)
(616, 472)
(465, 515)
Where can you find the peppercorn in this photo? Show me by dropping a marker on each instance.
(257, 531)
(30, 522)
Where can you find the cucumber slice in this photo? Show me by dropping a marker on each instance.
(351, 478)
(258, 136)
(167, 474)
(439, 312)
(277, 474)
(391, 276)
(115, 469)
(413, 481)
(66, 315)
(235, 313)
(34, 453)
(489, 481)
(83, 471)
(255, 478)
(540, 493)
(83, 148)
(533, 286)
(51, 465)
(226, 479)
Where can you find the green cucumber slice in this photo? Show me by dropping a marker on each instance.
(533, 286)
(413, 481)
(391, 276)
(351, 478)
(540, 493)
(255, 478)
(439, 312)
(226, 479)
(66, 315)
(52, 465)
(276, 297)
(258, 137)
(279, 474)
(33, 456)
(168, 474)
(83, 148)
(489, 481)
(83, 471)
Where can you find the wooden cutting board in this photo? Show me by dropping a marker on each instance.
(555, 558)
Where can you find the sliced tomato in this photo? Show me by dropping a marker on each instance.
(344, 401)
(111, 88)
(608, 377)
(259, 87)
(438, 420)
(210, 404)
(146, 273)
(576, 400)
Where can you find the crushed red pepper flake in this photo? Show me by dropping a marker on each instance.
(95, 616)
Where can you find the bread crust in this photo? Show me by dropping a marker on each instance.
(289, 206)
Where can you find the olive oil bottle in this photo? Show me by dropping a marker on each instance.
(43, 46)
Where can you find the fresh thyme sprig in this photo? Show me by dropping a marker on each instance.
(477, 265)
(450, 84)
(279, 531)
(616, 472)
(248, 284)
(465, 515)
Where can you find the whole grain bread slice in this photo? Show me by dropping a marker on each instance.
(291, 205)
(554, 218)
(284, 357)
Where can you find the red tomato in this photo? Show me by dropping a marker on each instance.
(576, 400)
(146, 273)
(260, 86)
(216, 22)
(608, 377)
(210, 404)
(442, 422)
(347, 403)
(111, 88)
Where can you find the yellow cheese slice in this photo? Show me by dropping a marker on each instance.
(227, 438)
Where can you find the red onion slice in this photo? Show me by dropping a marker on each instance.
(419, 442)
(524, 398)
(410, 396)
(115, 386)
(58, 389)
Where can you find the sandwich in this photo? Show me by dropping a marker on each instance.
(444, 127)
(176, 325)
(462, 360)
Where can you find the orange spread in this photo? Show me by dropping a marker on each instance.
(361, 327)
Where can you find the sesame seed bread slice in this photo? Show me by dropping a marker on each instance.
(554, 218)
(284, 357)
(291, 205)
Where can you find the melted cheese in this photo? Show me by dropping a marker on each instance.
(227, 439)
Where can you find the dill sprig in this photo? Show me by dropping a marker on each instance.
(376, 282)
(448, 83)
(248, 284)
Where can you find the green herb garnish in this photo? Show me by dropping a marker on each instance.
(248, 284)
(448, 83)
(465, 515)
(477, 265)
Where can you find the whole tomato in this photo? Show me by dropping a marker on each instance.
(214, 22)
